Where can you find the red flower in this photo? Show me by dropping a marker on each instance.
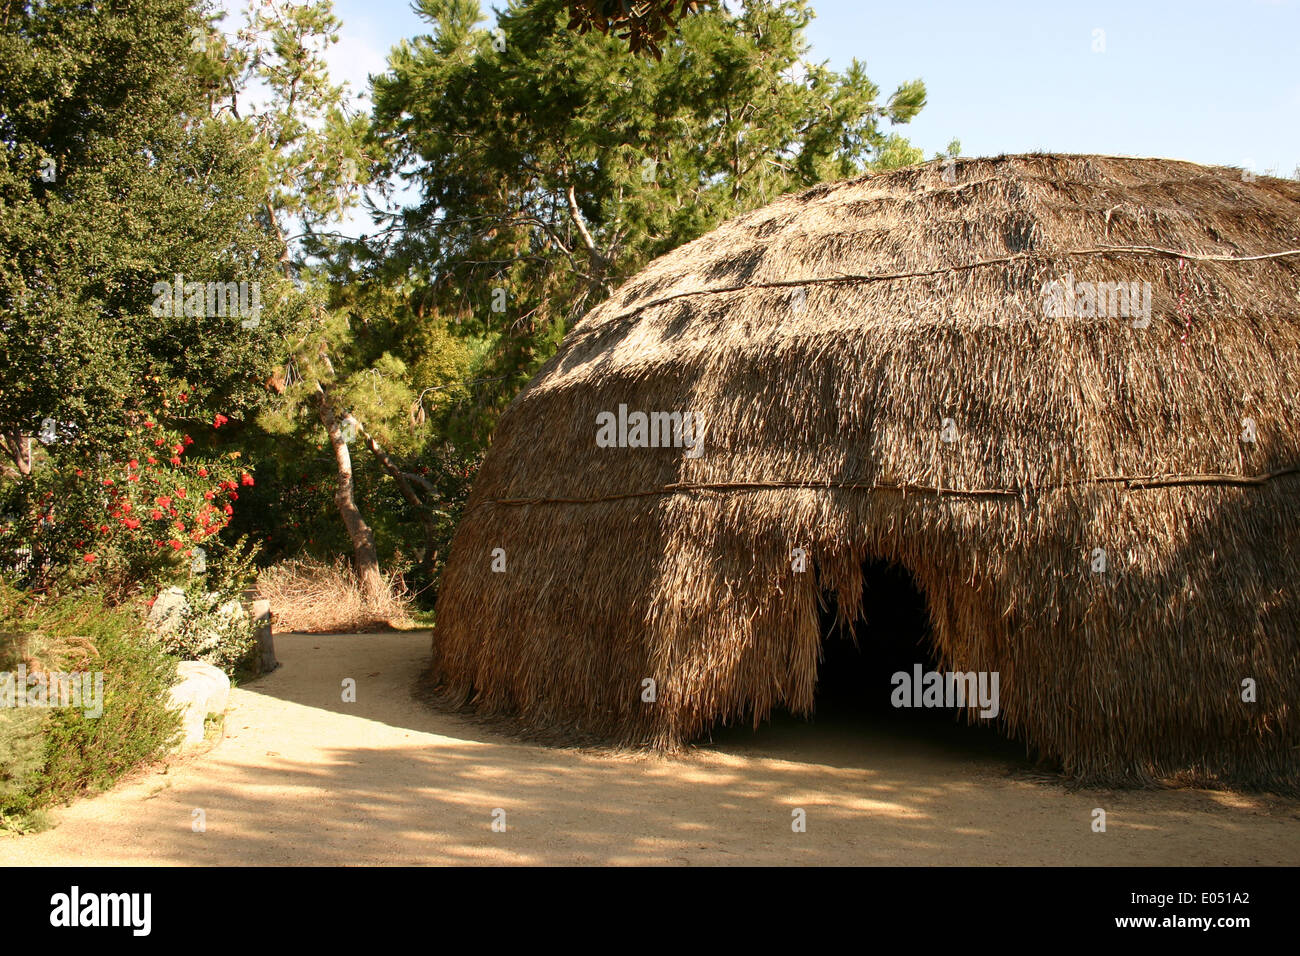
(103, 529)
(219, 421)
(203, 473)
(148, 424)
(182, 397)
(176, 545)
(209, 495)
(175, 460)
(108, 482)
(132, 523)
(228, 510)
(189, 440)
(87, 558)
(179, 449)
(164, 501)
(234, 496)
(126, 506)
(245, 479)
(156, 515)
(180, 492)
(78, 472)
(152, 460)
(133, 463)
(159, 442)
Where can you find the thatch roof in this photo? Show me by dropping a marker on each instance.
(823, 340)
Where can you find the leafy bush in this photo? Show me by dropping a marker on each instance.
(214, 626)
(22, 757)
(214, 629)
(51, 755)
(118, 519)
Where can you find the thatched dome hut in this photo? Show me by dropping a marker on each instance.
(1063, 392)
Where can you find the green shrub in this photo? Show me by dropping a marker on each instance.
(216, 630)
(51, 755)
(22, 755)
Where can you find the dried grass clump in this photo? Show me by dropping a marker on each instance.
(824, 341)
(309, 596)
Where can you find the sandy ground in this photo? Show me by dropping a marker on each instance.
(301, 777)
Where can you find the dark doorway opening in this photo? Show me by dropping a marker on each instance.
(888, 633)
(854, 721)
(891, 632)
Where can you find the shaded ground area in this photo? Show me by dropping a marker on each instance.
(302, 777)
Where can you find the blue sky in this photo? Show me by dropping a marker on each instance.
(1208, 82)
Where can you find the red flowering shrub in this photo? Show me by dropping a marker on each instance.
(123, 517)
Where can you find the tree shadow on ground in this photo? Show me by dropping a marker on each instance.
(305, 778)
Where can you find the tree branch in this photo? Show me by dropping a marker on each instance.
(576, 215)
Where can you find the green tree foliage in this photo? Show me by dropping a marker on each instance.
(308, 142)
(644, 24)
(551, 167)
(139, 276)
(111, 181)
(391, 379)
(148, 139)
(271, 78)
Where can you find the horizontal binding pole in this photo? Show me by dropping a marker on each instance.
(1044, 255)
(1172, 481)
(1129, 483)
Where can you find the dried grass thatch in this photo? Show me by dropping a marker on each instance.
(824, 339)
(309, 596)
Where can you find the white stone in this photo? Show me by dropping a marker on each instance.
(200, 689)
(233, 610)
(169, 610)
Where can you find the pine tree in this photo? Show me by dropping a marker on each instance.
(550, 166)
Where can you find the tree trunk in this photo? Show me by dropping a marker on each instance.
(373, 586)
(19, 448)
(408, 493)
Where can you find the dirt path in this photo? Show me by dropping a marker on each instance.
(302, 777)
